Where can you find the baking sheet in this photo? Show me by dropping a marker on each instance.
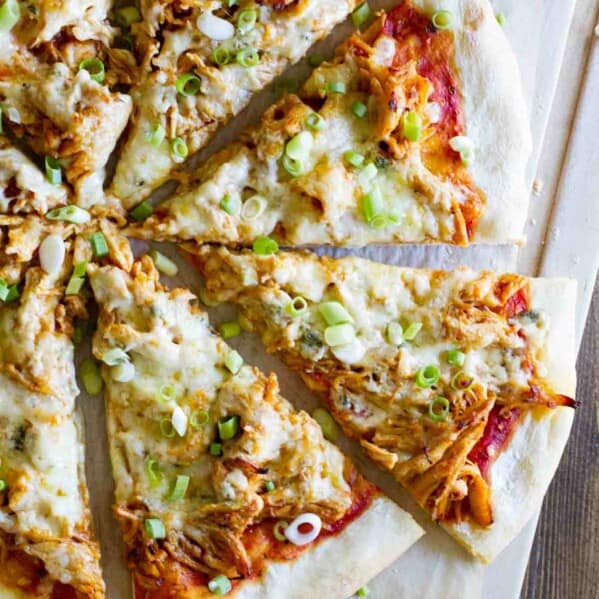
(436, 557)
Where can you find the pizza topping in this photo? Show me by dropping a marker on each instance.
(220, 585)
(443, 19)
(52, 253)
(70, 214)
(304, 529)
(214, 27)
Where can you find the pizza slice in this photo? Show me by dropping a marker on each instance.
(379, 146)
(47, 546)
(458, 383)
(221, 486)
(201, 63)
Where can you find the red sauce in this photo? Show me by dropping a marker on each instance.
(498, 432)
(185, 578)
(63, 591)
(516, 304)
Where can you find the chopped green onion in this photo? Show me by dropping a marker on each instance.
(179, 488)
(199, 419)
(316, 59)
(127, 15)
(179, 147)
(246, 20)
(2, 485)
(361, 14)
(269, 486)
(233, 362)
(71, 214)
(334, 313)
(353, 158)
(297, 306)
(10, 14)
(443, 19)
(363, 592)
(300, 146)
(359, 109)
(394, 333)
(115, 356)
(247, 57)
(455, 357)
(8, 293)
(74, 285)
(329, 427)
(412, 126)
(167, 393)
(367, 174)
(231, 204)
(188, 84)
(53, 171)
(155, 528)
(315, 122)
(142, 211)
(411, 331)
(339, 334)
(153, 472)
(264, 246)
(156, 135)
(336, 87)
(167, 429)
(228, 427)
(99, 245)
(438, 409)
(465, 147)
(221, 55)
(427, 376)
(216, 449)
(278, 531)
(228, 330)
(220, 585)
(80, 269)
(293, 166)
(253, 207)
(372, 204)
(95, 68)
(380, 221)
(462, 381)
(501, 19)
(163, 264)
(90, 376)
(3, 289)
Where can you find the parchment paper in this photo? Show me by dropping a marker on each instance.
(436, 567)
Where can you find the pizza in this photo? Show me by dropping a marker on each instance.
(220, 484)
(416, 132)
(200, 64)
(47, 545)
(458, 383)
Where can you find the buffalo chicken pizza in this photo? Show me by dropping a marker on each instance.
(221, 486)
(389, 142)
(458, 383)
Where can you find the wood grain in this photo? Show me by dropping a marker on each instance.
(564, 563)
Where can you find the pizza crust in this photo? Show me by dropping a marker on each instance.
(523, 472)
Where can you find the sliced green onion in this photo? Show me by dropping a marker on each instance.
(163, 264)
(142, 211)
(293, 166)
(329, 427)
(443, 19)
(167, 393)
(316, 59)
(438, 409)
(221, 55)
(462, 381)
(90, 376)
(300, 146)
(231, 204)
(367, 174)
(359, 109)
(153, 472)
(53, 171)
(70, 214)
(353, 158)
(264, 246)
(246, 20)
(334, 313)
(228, 427)
(115, 356)
(297, 306)
(412, 126)
(339, 334)
(220, 585)
(361, 14)
(336, 87)
(278, 531)
(216, 449)
(74, 285)
(228, 330)
(188, 84)
(8, 293)
(269, 486)
(501, 19)
(253, 207)
(379, 221)
(179, 147)
(156, 135)
(247, 57)
(363, 592)
(455, 357)
(2, 485)
(3, 289)
(394, 333)
(233, 362)
(95, 68)
(372, 204)
(199, 419)
(80, 269)
(10, 13)
(465, 147)
(155, 528)
(315, 122)
(427, 376)
(99, 245)
(179, 488)
(411, 331)
(167, 429)
(127, 15)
